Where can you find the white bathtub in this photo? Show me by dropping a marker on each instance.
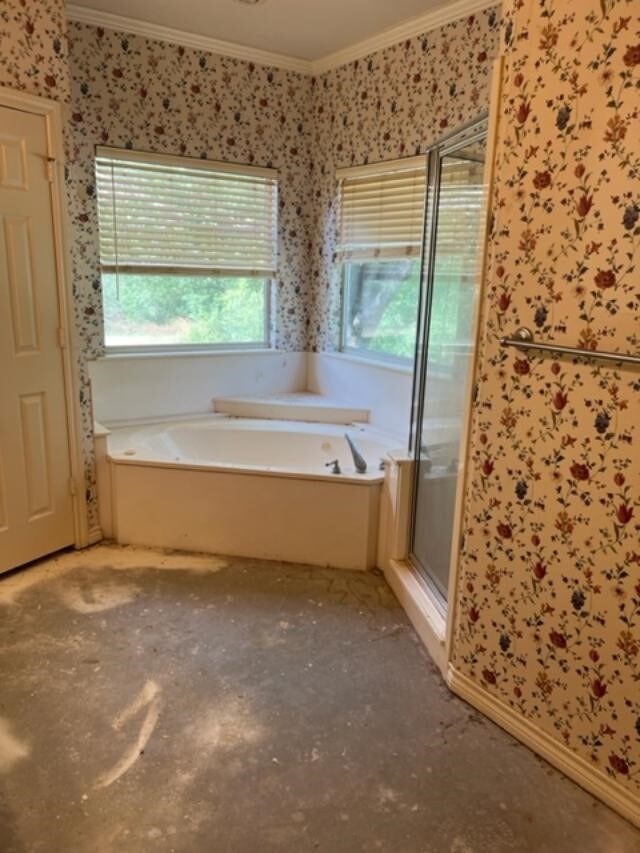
(241, 487)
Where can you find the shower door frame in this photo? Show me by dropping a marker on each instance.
(479, 128)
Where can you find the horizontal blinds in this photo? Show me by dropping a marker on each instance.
(382, 210)
(168, 214)
(460, 215)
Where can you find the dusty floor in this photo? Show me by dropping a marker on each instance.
(154, 702)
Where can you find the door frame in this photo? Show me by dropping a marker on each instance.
(51, 112)
(459, 138)
(480, 316)
(434, 625)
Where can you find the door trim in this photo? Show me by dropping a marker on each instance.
(467, 419)
(430, 630)
(51, 112)
(477, 129)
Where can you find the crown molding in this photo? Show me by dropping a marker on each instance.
(409, 29)
(134, 26)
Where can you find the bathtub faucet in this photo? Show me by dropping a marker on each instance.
(334, 465)
(358, 458)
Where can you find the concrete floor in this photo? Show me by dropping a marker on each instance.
(162, 702)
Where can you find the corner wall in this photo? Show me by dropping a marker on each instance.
(383, 389)
(159, 387)
(132, 91)
(547, 627)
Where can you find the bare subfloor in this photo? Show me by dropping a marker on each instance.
(163, 702)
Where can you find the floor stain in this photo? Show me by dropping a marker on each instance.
(97, 598)
(12, 750)
(148, 696)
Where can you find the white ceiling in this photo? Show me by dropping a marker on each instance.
(305, 29)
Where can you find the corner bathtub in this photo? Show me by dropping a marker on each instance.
(252, 488)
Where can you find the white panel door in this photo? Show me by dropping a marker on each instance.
(36, 508)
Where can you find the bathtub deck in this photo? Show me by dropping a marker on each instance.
(189, 704)
(294, 406)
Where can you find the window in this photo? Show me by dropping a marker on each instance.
(187, 251)
(380, 247)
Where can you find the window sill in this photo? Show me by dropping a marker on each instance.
(126, 355)
(379, 363)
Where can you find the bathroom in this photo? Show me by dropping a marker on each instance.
(407, 368)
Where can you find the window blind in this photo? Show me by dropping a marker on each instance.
(460, 210)
(382, 210)
(173, 214)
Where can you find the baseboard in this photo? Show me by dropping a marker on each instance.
(572, 765)
(429, 623)
(95, 535)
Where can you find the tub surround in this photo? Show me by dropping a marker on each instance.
(385, 389)
(246, 488)
(142, 387)
(320, 523)
(328, 388)
(382, 388)
(324, 387)
(253, 490)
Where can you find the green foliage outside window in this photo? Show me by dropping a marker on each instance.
(381, 309)
(143, 310)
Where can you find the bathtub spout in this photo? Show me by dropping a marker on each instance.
(358, 458)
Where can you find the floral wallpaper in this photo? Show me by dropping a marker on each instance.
(548, 614)
(33, 47)
(394, 103)
(129, 91)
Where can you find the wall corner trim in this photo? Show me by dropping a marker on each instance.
(568, 762)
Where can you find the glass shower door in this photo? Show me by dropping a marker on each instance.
(451, 282)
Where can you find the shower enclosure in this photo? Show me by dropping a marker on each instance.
(451, 278)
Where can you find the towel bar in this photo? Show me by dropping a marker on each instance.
(523, 339)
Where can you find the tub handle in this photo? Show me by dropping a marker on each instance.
(336, 466)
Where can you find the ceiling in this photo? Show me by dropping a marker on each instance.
(305, 29)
